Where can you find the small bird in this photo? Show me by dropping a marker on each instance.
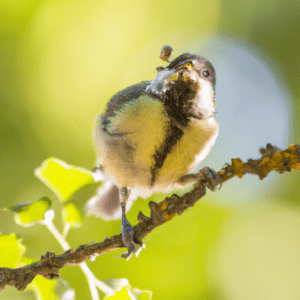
(152, 134)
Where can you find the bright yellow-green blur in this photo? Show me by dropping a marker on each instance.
(61, 61)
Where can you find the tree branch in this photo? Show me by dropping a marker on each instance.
(272, 159)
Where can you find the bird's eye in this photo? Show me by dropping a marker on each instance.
(205, 73)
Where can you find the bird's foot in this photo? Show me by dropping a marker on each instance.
(128, 238)
(211, 178)
(206, 176)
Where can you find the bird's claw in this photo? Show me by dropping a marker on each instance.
(211, 177)
(137, 250)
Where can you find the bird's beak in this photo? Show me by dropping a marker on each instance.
(156, 87)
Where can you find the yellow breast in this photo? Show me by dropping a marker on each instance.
(198, 138)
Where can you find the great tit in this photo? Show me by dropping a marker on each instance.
(152, 134)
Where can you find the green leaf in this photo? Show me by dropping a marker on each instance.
(141, 295)
(63, 290)
(28, 213)
(11, 250)
(125, 291)
(24, 261)
(71, 215)
(46, 289)
(62, 178)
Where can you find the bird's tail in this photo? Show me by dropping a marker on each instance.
(106, 204)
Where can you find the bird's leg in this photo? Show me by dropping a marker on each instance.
(126, 228)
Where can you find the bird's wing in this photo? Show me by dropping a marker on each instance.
(129, 133)
(119, 119)
(132, 110)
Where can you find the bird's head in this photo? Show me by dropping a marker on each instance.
(187, 87)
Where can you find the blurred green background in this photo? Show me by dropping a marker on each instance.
(60, 63)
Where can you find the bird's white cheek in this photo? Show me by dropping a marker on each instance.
(205, 97)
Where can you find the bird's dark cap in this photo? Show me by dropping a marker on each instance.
(202, 63)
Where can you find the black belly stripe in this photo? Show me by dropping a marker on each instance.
(173, 136)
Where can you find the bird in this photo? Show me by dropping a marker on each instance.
(152, 135)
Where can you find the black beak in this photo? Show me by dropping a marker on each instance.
(156, 87)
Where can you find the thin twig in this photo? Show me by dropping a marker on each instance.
(66, 230)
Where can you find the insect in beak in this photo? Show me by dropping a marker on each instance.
(156, 87)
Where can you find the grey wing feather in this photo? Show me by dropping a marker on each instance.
(126, 95)
(106, 204)
(106, 121)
